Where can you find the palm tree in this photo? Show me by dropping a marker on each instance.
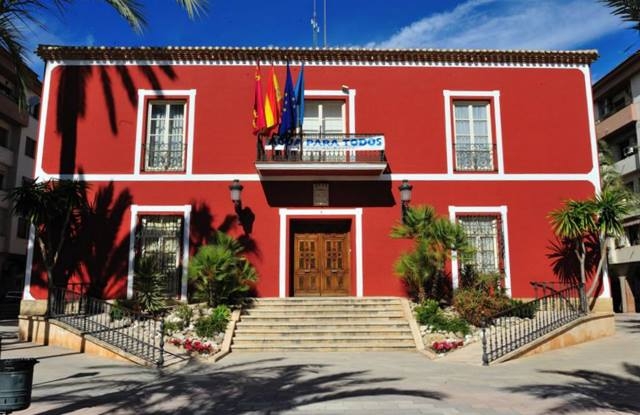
(601, 216)
(628, 10)
(53, 208)
(435, 239)
(15, 15)
(220, 273)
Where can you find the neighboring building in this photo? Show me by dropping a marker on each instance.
(494, 139)
(616, 98)
(18, 132)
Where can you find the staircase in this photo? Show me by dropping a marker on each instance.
(324, 324)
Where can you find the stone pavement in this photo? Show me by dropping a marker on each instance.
(597, 377)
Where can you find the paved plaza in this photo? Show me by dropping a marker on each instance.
(597, 377)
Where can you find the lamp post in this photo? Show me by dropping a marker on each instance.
(236, 194)
(405, 197)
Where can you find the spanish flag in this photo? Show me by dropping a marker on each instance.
(259, 123)
(272, 101)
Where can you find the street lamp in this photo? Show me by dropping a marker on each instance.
(405, 197)
(236, 194)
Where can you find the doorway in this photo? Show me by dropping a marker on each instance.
(321, 258)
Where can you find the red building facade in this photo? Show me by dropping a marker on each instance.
(493, 139)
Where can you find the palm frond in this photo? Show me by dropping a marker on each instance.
(627, 10)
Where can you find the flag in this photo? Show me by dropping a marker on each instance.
(299, 91)
(287, 118)
(299, 105)
(258, 108)
(272, 101)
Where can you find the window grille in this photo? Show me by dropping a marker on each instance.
(160, 239)
(165, 146)
(473, 143)
(483, 234)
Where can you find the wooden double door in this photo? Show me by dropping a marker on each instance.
(321, 264)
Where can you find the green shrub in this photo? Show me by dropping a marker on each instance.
(475, 304)
(216, 322)
(184, 313)
(429, 314)
(220, 274)
(171, 327)
(148, 285)
(119, 307)
(518, 308)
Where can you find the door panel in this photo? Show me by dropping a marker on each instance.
(307, 266)
(321, 264)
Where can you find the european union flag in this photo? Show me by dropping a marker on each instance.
(300, 98)
(288, 119)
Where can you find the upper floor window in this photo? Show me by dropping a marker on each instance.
(473, 143)
(165, 143)
(483, 234)
(324, 117)
(4, 137)
(473, 130)
(30, 147)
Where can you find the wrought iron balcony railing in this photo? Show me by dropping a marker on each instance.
(323, 148)
(474, 157)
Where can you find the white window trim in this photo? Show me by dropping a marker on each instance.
(350, 94)
(493, 210)
(494, 115)
(144, 95)
(285, 215)
(136, 210)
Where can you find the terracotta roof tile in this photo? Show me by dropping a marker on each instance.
(315, 55)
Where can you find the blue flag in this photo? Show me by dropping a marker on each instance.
(288, 118)
(299, 104)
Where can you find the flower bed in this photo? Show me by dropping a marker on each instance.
(196, 329)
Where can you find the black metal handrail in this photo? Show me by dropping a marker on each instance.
(515, 327)
(330, 148)
(139, 334)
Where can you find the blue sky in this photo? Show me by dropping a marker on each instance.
(463, 24)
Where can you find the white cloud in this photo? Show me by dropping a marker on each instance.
(509, 24)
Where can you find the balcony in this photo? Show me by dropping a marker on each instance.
(624, 255)
(323, 155)
(9, 108)
(616, 121)
(628, 164)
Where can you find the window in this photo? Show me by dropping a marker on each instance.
(484, 235)
(30, 147)
(472, 136)
(4, 137)
(4, 214)
(160, 239)
(324, 117)
(165, 143)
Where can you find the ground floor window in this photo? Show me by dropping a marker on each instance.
(483, 233)
(160, 239)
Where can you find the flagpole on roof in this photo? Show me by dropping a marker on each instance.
(325, 23)
(315, 28)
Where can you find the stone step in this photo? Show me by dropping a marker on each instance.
(323, 324)
(364, 313)
(321, 331)
(333, 338)
(320, 308)
(315, 347)
(326, 301)
(334, 325)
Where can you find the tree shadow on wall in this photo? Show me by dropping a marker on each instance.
(93, 251)
(71, 101)
(565, 263)
(202, 230)
(589, 390)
